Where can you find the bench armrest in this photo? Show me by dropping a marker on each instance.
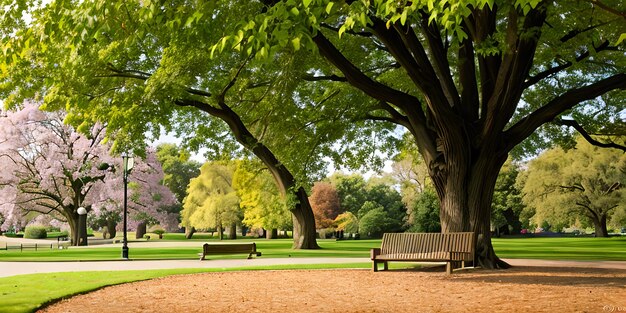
(374, 252)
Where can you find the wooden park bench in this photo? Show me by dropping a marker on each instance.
(428, 247)
(229, 248)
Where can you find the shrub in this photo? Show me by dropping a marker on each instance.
(52, 229)
(35, 232)
(157, 229)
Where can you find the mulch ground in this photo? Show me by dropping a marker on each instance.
(519, 289)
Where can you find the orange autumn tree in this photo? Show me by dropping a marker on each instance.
(325, 204)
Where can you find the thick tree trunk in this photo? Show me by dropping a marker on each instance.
(189, 231)
(220, 232)
(466, 191)
(232, 232)
(600, 226)
(141, 230)
(272, 234)
(512, 220)
(78, 231)
(112, 228)
(304, 223)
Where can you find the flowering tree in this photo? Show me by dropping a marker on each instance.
(50, 168)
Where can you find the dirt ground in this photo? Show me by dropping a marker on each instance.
(520, 289)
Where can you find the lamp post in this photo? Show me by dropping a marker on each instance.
(82, 226)
(128, 163)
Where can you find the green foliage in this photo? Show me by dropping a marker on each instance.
(376, 222)
(424, 215)
(351, 190)
(359, 197)
(584, 182)
(35, 232)
(262, 204)
(178, 168)
(212, 202)
(507, 202)
(347, 222)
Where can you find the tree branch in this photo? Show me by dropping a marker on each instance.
(585, 134)
(351, 32)
(526, 126)
(607, 8)
(532, 80)
(358, 79)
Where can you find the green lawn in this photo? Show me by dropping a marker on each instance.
(279, 248)
(554, 248)
(562, 248)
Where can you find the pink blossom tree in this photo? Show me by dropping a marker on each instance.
(50, 168)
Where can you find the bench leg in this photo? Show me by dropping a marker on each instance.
(385, 266)
(449, 268)
(374, 266)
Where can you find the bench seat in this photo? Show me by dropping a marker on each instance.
(229, 248)
(426, 247)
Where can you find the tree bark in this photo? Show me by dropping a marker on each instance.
(112, 229)
(189, 231)
(512, 220)
(273, 234)
(232, 232)
(78, 232)
(599, 224)
(141, 230)
(304, 223)
(466, 188)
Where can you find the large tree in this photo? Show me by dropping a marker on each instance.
(325, 203)
(585, 182)
(143, 66)
(470, 80)
(212, 202)
(50, 168)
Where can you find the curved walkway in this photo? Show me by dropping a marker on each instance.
(20, 268)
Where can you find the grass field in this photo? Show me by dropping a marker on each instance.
(553, 248)
(279, 248)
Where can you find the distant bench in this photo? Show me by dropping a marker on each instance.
(229, 248)
(428, 247)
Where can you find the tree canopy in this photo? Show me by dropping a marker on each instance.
(585, 182)
(50, 168)
(212, 202)
(469, 80)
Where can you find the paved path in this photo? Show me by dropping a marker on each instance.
(19, 268)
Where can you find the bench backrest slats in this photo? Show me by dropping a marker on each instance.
(403, 245)
(229, 248)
